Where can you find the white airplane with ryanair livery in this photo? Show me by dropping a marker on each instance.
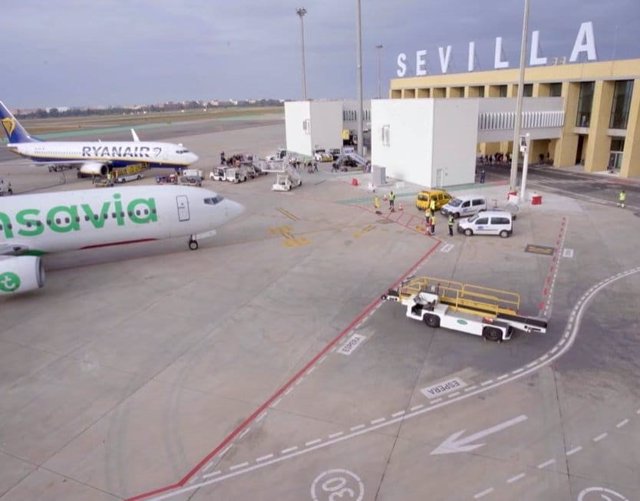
(92, 157)
(34, 225)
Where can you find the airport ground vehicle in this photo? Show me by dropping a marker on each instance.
(335, 153)
(423, 200)
(193, 173)
(278, 155)
(190, 180)
(465, 206)
(321, 155)
(498, 222)
(235, 174)
(217, 174)
(482, 311)
(287, 179)
(170, 179)
(125, 178)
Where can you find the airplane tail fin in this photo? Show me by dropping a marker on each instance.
(135, 136)
(15, 132)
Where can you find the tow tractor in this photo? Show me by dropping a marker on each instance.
(490, 313)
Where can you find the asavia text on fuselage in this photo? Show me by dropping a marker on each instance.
(70, 218)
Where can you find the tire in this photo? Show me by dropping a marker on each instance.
(468, 232)
(492, 334)
(193, 245)
(432, 321)
(504, 234)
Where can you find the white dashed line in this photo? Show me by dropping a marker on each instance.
(533, 364)
(518, 371)
(288, 391)
(574, 450)
(397, 414)
(453, 394)
(357, 427)
(312, 442)
(483, 493)
(275, 404)
(515, 478)
(243, 433)
(622, 423)
(261, 416)
(212, 474)
(290, 449)
(546, 463)
(237, 466)
(437, 400)
(224, 451)
(264, 458)
(336, 435)
(311, 370)
(486, 383)
(322, 359)
(600, 437)
(504, 376)
(378, 421)
(416, 407)
(471, 388)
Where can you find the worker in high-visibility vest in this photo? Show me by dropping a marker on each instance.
(392, 201)
(432, 206)
(450, 222)
(376, 204)
(622, 197)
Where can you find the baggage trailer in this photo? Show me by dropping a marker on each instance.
(482, 311)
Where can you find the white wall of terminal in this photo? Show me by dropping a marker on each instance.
(431, 142)
(313, 124)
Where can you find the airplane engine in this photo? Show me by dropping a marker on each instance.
(94, 169)
(20, 274)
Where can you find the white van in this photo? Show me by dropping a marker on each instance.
(495, 222)
(465, 206)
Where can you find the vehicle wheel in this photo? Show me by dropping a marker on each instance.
(468, 232)
(492, 334)
(432, 320)
(504, 234)
(193, 245)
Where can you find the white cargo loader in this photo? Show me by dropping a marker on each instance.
(287, 179)
(490, 313)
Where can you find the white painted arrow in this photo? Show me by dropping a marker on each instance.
(455, 444)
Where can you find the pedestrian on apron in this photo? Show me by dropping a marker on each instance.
(450, 222)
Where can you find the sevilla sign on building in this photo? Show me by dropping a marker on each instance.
(584, 44)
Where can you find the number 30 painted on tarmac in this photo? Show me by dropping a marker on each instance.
(337, 485)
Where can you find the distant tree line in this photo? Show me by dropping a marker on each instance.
(126, 110)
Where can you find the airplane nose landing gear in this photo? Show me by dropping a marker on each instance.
(193, 243)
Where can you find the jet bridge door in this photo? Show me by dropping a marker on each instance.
(183, 207)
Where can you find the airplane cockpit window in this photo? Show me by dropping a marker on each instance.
(182, 151)
(214, 200)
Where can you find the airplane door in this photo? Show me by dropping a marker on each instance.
(183, 207)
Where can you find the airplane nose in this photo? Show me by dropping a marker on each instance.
(234, 209)
(193, 158)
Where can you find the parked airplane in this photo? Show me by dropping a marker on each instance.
(92, 157)
(33, 225)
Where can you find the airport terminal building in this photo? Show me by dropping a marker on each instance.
(600, 102)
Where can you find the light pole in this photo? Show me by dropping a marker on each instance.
(379, 47)
(524, 148)
(301, 12)
(359, 67)
(513, 179)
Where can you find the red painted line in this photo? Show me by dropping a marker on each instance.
(282, 389)
(113, 244)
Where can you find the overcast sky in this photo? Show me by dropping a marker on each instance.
(108, 52)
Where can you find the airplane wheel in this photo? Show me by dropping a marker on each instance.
(193, 245)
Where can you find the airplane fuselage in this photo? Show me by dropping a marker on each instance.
(64, 221)
(113, 153)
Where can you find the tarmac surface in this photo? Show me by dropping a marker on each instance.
(265, 366)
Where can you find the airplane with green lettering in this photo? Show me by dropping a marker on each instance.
(33, 225)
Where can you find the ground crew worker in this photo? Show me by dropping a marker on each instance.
(376, 204)
(433, 224)
(392, 200)
(432, 206)
(450, 222)
(622, 197)
(427, 223)
(482, 175)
